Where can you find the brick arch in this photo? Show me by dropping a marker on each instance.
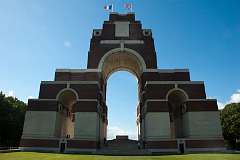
(179, 90)
(66, 98)
(122, 59)
(176, 99)
(67, 89)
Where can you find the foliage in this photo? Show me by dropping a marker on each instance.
(230, 120)
(12, 113)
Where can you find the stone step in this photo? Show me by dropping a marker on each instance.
(122, 146)
(121, 152)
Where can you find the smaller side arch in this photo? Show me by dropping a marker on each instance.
(177, 99)
(65, 122)
(177, 89)
(67, 89)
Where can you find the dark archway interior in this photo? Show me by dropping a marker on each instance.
(177, 107)
(65, 117)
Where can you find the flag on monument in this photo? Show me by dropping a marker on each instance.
(108, 7)
(128, 6)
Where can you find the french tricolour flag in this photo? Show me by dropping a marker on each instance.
(108, 7)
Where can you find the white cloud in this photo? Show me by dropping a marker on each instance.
(30, 97)
(67, 44)
(211, 97)
(113, 131)
(10, 94)
(26, 98)
(220, 105)
(133, 135)
(235, 98)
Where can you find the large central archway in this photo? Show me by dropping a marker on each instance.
(122, 100)
(121, 60)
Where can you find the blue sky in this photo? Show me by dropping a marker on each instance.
(38, 36)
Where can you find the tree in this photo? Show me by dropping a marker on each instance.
(12, 113)
(230, 120)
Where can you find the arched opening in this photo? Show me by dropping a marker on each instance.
(122, 59)
(177, 108)
(65, 118)
(122, 101)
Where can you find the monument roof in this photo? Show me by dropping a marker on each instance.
(114, 16)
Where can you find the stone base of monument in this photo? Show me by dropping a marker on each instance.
(122, 145)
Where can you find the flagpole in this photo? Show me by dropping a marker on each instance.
(112, 1)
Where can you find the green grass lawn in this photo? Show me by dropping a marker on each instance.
(56, 156)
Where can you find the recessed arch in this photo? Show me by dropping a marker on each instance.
(177, 90)
(121, 59)
(66, 119)
(177, 99)
(67, 89)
